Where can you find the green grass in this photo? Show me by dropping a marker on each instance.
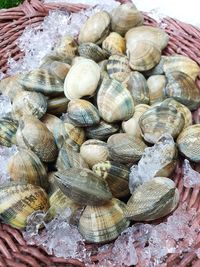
(9, 3)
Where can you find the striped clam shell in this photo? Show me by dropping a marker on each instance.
(57, 105)
(114, 44)
(118, 67)
(8, 129)
(92, 51)
(156, 85)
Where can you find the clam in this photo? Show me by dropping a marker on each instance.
(92, 51)
(152, 200)
(29, 103)
(137, 85)
(156, 85)
(88, 72)
(101, 131)
(73, 135)
(18, 201)
(159, 120)
(95, 29)
(114, 101)
(33, 134)
(157, 70)
(148, 33)
(182, 88)
(83, 113)
(57, 105)
(56, 68)
(8, 129)
(116, 175)
(125, 17)
(189, 143)
(25, 166)
(103, 69)
(103, 224)
(67, 48)
(118, 67)
(114, 44)
(83, 186)
(125, 149)
(131, 126)
(41, 81)
(143, 55)
(94, 151)
(10, 86)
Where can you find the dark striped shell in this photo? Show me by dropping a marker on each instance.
(118, 67)
(8, 129)
(57, 105)
(92, 51)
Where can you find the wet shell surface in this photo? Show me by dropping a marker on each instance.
(118, 67)
(156, 85)
(114, 101)
(57, 105)
(29, 103)
(125, 17)
(94, 151)
(8, 129)
(88, 72)
(116, 175)
(92, 51)
(114, 44)
(189, 143)
(103, 224)
(182, 88)
(33, 134)
(159, 120)
(95, 29)
(67, 48)
(18, 201)
(125, 149)
(152, 200)
(83, 113)
(83, 186)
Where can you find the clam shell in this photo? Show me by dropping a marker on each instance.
(94, 151)
(82, 113)
(73, 135)
(156, 85)
(152, 200)
(143, 55)
(125, 17)
(67, 48)
(116, 175)
(18, 201)
(83, 186)
(114, 101)
(183, 89)
(8, 129)
(114, 44)
(137, 86)
(92, 51)
(41, 81)
(125, 149)
(33, 134)
(29, 103)
(103, 224)
(118, 67)
(159, 120)
(57, 105)
(189, 144)
(10, 86)
(157, 70)
(88, 72)
(56, 68)
(95, 29)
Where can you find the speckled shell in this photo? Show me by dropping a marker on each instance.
(33, 134)
(116, 175)
(83, 113)
(125, 17)
(143, 55)
(137, 85)
(125, 149)
(10, 86)
(114, 101)
(156, 85)
(56, 68)
(25, 166)
(183, 89)
(189, 143)
(57, 105)
(29, 103)
(152, 200)
(92, 51)
(67, 48)
(86, 71)
(114, 44)
(83, 186)
(94, 151)
(18, 201)
(95, 29)
(159, 120)
(8, 129)
(118, 67)
(101, 131)
(41, 81)
(103, 224)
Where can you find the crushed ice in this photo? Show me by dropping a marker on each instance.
(191, 178)
(5, 106)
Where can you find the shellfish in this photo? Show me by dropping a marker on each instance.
(67, 48)
(114, 44)
(8, 129)
(57, 105)
(92, 51)
(156, 85)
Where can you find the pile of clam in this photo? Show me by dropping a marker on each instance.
(87, 114)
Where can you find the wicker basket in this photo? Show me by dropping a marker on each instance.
(184, 40)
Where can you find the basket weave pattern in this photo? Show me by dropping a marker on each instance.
(184, 40)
